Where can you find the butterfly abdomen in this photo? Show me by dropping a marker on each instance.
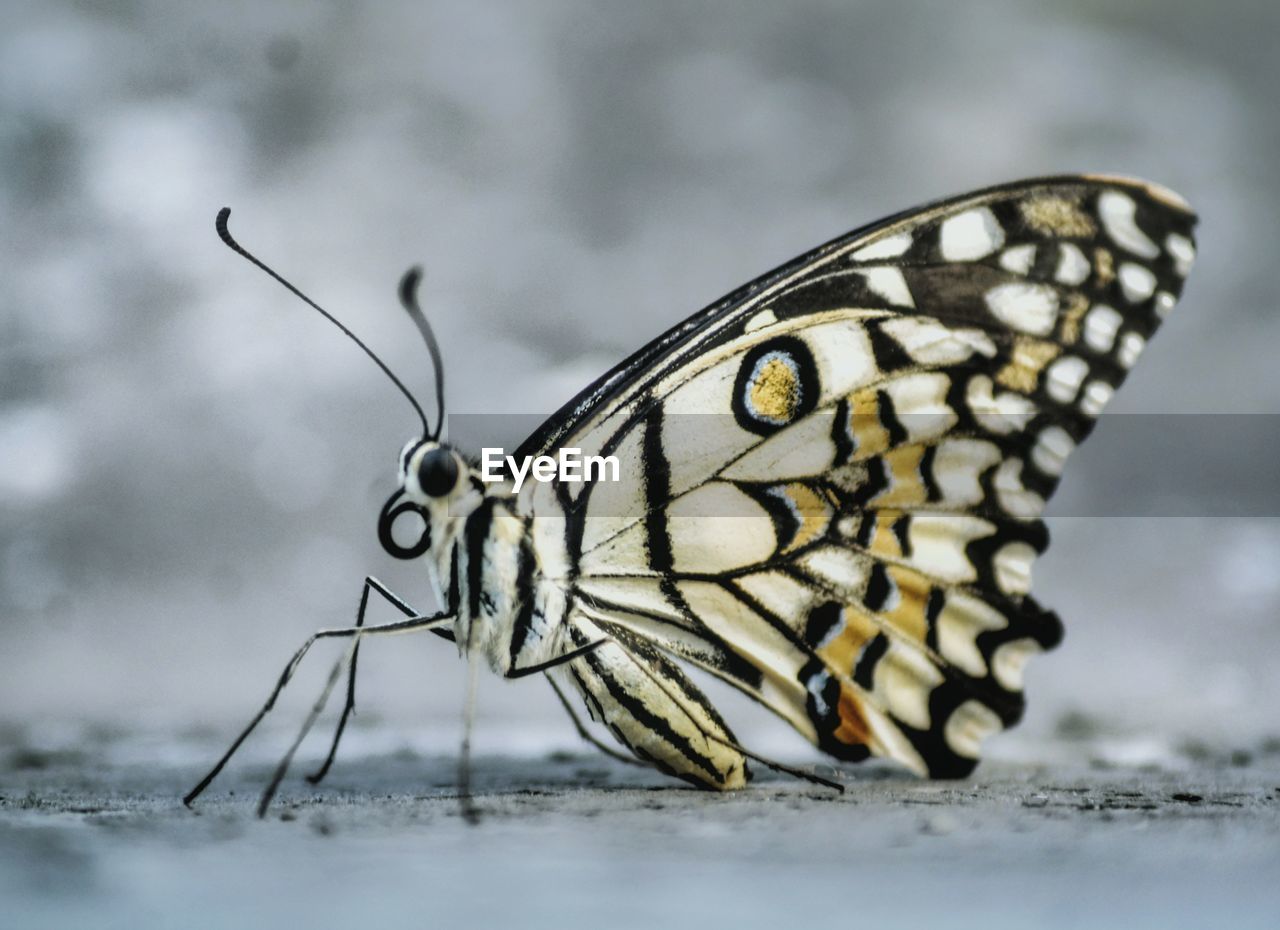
(653, 709)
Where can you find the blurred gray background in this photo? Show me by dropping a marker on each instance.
(191, 462)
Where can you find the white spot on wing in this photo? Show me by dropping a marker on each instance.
(1030, 308)
(760, 321)
(939, 540)
(1183, 252)
(1100, 328)
(1008, 660)
(957, 466)
(890, 247)
(1052, 447)
(970, 235)
(1164, 303)
(838, 568)
(921, 403)
(1137, 282)
(906, 678)
(842, 350)
(998, 413)
(1012, 565)
(1065, 377)
(928, 342)
(1018, 258)
(1131, 345)
(1096, 395)
(968, 725)
(1016, 500)
(1073, 267)
(1117, 213)
(889, 284)
(962, 620)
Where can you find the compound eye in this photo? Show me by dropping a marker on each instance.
(437, 473)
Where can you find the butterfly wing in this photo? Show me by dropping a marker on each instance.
(833, 478)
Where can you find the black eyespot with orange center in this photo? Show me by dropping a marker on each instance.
(777, 384)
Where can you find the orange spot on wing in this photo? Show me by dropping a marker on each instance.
(842, 650)
(1077, 305)
(884, 542)
(907, 484)
(775, 394)
(1057, 216)
(814, 510)
(1029, 357)
(913, 594)
(853, 729)
(1105, 264)
(869, 434)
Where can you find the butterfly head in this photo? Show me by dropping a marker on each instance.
(434, 485)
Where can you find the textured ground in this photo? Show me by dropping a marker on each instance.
(97, 837)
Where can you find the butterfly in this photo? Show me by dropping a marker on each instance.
(835, 481)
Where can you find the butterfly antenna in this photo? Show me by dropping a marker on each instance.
(409, 300)
(221, 223)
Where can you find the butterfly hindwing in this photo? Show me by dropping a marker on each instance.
(833, 479)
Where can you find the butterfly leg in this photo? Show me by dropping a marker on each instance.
(370, 584)
(653, 709)
(466, 804)
(469, 811)
(561, 659)
(355, 633)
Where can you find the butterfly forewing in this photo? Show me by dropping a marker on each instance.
(834, 477)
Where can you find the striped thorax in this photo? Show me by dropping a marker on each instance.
(482, 559)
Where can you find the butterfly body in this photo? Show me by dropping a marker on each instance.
(509, 582)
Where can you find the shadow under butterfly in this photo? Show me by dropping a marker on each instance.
(838, 476)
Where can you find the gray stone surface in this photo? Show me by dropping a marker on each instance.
(574, 839)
